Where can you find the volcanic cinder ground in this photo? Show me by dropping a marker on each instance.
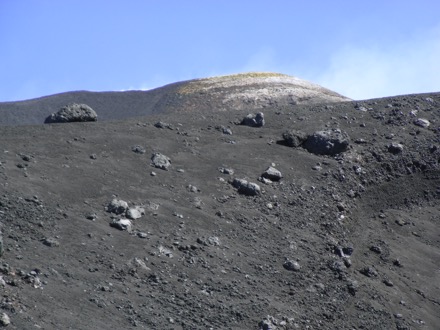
(343, 241)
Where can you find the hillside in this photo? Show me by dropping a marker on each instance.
(345, 234)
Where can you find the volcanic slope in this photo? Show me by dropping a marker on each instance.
(250, 91)
(341, 241)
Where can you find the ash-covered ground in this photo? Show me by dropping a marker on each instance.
(96, 237)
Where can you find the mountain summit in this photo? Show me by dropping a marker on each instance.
(244, 91)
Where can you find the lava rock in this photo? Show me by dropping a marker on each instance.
(4, 319)
(294, 138)
(291, 266)
(246, 188)
(395, 148)
(121, 224)
(272, 174)
(135, 212)
(330, 142)
(73, 113)
(160, 161)
(50, 241)
(138, 149)
(369, 272)
(253, 120)
(117, 206)
(422, 122)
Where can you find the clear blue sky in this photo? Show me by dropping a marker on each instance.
(362, 49)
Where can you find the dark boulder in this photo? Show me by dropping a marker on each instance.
(329, 142)
(73, 113)
(253, 120)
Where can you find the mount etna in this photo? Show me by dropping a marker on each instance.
(250, 201)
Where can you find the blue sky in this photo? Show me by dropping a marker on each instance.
(362, 49)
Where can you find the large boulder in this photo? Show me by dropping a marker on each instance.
(73, 113)
(329, 142)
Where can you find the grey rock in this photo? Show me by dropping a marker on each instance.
(294, 138)
(353, 287)
(329, 142)
(291, 265)
(225, 170)
(50, 241)
(226, 131)
(253, 120)
(121, 224)
(395, 148)
(246, 188)
(368, 271)
(422, 122)
(4, 320)
(160, 161)
(138, 149)
(117, 206)
(73, 113)
(272, 174)
(135, 212)
(161, 124)
(269, 323)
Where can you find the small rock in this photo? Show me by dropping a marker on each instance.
(117, 206)
(160, 161)
(272, 174)
(4, 320)
(121, 224)
(291, 266)
(395, 148)
(400, 222)
(369, 272)
(93, 156)
(138, 150)
(226, 170)
(376, 249)
(246, 188)
(161, 124)
(50, 241)
(353, 287)
(388, 282)
(91, 216)
(253, 120)
(153, 173)
(422, 122)
(193, 189)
